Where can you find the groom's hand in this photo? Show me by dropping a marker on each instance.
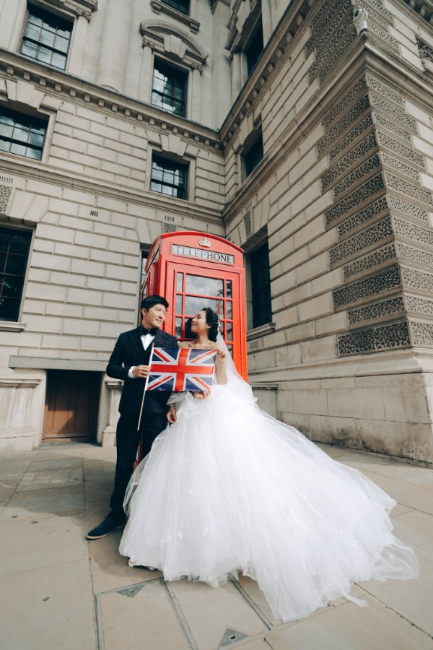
(141, 372)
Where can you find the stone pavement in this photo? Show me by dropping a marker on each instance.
(57, 591)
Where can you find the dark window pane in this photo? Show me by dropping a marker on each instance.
(14, 248)
(17, 130)
(168, 177)
(178, 331)
(180, 5)
(46, 37)
(261, 286)
(169, 88)
(254, 49)
(254, 155)
(229, 288)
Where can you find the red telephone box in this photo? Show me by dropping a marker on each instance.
(193, 270)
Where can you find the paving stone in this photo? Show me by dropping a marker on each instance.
(48, 608)
(110, 570)
(351, 627)
(45, 503)
(258, 597)
(51, 479)
(66, 463)
(415, 529)
(379, 479)
(425, 480)
(414, 496)
(411, 599)
(144, 620)
(400, 510)
(210, 612)
(32, 544)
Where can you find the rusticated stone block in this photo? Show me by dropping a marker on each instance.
(400, 166)
(364, 239)
(5, 194)
(365, 191)
(418, 280)
(393, 127)
(357, 174)
(323, 28)
(349, 159)
(357, 89)
(363, 215)
(408, 209)
(414, 232)
(410, 254)
(371, 286)
(382, 337)
(343, 124)
(388, 307)
(391, 110)
(418, 305)
(408, 153)
(421, 333)
(405, 187)
(370, 261)
(347, 140)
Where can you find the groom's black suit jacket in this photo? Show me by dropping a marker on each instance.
(128, 352)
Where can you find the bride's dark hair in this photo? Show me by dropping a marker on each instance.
(211, 319)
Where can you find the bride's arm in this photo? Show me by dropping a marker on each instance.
(221, 367)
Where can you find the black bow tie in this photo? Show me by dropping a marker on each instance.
(152, 331)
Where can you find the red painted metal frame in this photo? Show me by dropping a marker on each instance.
(160, 278)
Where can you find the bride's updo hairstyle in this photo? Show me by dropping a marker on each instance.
(214, 322)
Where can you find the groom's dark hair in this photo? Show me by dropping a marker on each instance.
(150, 301)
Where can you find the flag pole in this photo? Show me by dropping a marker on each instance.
(145, 387)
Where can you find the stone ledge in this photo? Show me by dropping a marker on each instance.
(263, 330)
(6, 326)
(43, 363)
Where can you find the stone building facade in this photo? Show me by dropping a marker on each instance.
(300, 130)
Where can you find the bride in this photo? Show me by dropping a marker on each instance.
(228, 488)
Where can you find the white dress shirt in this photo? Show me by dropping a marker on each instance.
(146, 340)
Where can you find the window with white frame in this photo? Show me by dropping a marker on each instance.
(14, 253)
(169, 88)
(22, 134)
(169, 177)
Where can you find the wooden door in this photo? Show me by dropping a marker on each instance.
(71, 405)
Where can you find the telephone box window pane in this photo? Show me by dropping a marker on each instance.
(195, 304)
(229, 309)
(46, 37)
(179, 282)
(229, 331)
(178, 304)
(178, 331)
(204, 286)
(229, 288)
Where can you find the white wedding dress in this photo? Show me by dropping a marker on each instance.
(228, 488)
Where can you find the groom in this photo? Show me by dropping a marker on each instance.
(130, 361)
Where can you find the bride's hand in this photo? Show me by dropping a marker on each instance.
(220, 353)
(171, 415)
(201, 395)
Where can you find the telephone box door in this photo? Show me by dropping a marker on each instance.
(191, 288)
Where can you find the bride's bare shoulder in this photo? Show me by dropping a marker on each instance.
(184, 344)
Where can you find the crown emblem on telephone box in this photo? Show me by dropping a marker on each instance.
(205, 242)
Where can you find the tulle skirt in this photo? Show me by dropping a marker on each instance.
(228, 488)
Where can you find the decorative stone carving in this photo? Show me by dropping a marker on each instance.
(352, 200)
(5, 195)
(400, 149)
(323, 53)
(377, 5)
(159, 6)
(336, 58)
(408, 209)
(380, 103)
(169, 227)
(414, 232)
(360, 17)
(248, 225)
(357, 174)
(162, 36)
(381, 230)
(370, 261)
(347, 140)
(327, 27)
(426, 56)
(399, 166)
(418, 280)
(415, 192)
(417, 305)
(371, 286)
(386, 38)
(345, 122)
(349, 159)
(416, 255)
(348, 98)
(362, 216)
(382, 337)
(421, 333)
(377, 310)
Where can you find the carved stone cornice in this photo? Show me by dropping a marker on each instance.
(424, 8)
(159, 6)
(77, 7)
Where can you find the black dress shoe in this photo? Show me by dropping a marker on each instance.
(107, 526)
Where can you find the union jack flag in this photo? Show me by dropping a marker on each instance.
(181, 369)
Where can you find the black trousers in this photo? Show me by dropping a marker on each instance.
(127, 441)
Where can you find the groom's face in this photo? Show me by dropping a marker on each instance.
(154, 317)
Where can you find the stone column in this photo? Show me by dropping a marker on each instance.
(266, 20)
(236, 75)
(195, 94)
(78, 44)
(145, 89)
(113, 55)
